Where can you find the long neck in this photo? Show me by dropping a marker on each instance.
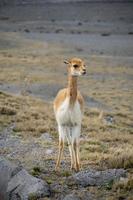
(72, 88)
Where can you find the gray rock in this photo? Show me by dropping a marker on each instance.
(85, 195)
(97, 178)
(46, 137)
(79, 195)
(71, 197)
(7, 170)
(17, 184)
(108, 120)
(25, 185)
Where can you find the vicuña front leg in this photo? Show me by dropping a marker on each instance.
(61, 147)
(76, 152)
(78, 156)
(72, 155)
(75, 145)
(70, 145)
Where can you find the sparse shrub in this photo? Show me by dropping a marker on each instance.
(32, 196)
(5, 110)
(66, 173)
(36, 171)
(49, 181)
(109, 185)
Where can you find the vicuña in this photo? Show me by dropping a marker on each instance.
(68, 107)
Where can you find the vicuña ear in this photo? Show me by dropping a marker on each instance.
(66, 62)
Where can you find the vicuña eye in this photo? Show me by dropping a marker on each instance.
(75, 66)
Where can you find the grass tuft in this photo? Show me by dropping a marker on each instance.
(5, 110)
(121, 159)
(125, 184)
(32, 196)
(36, 171)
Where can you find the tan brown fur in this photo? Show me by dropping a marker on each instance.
(62, 94)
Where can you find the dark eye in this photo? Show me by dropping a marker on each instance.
(75, 66)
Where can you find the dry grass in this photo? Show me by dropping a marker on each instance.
(5, 110)
(124, 184)
(123, 188)
(107, 144)
(122, 158)
(31, 117)
(36, 119)
(103, 146)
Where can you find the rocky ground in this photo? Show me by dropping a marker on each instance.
(19, 184)
(34, 41)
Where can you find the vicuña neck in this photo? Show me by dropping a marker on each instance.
(72, 88)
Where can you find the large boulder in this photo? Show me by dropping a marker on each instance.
(7, 170)
(96, 178)
(17, 184)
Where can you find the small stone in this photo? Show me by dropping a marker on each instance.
(46, 137)
(49, 151)
(26, 30)
(130, 33)
(59, 30)
(109, 120)
(79, 23)
(85, 195)
(71, 197)
(105, 34)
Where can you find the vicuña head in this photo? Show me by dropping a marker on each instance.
(68, 107)
(76, 67)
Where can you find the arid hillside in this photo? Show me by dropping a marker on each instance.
(34, 41)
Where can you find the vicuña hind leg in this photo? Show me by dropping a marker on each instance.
(76, 152)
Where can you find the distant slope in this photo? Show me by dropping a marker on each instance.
(25, 2)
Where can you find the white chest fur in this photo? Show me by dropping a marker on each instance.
(69, 115)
